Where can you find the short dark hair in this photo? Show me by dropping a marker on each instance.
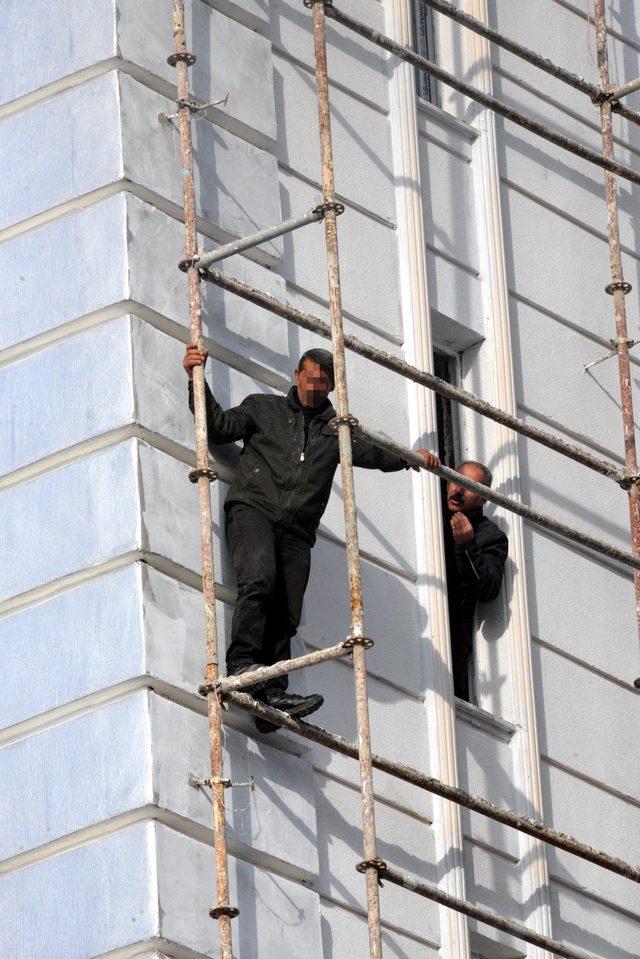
(321, 358)
(487, 475)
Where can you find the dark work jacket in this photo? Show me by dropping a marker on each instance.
(474, 574)
(279, 473)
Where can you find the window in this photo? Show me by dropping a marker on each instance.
(425, 45)
(448, 366)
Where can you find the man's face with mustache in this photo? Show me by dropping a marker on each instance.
(461, 500)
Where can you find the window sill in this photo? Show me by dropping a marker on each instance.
(485, 721)
(445, 119)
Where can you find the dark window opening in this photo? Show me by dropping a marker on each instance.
(447, 367)
(424, 44)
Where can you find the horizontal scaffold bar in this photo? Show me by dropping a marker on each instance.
(416, 778)
(514, 506)
(309, 321)
(624, 90)
(492, 103)
(429, 891)
(202, 261)
(592, 90)
(265, 673)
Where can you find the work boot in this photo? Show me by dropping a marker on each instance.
(296, 706)
(239, 670)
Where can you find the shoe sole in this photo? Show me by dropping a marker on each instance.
(298, 713)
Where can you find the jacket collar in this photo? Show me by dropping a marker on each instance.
(325, 412)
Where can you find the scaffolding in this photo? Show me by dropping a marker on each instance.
(199, 267)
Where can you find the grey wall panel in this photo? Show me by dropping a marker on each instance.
(56, 40)
(543, 279)
(234, 323)
(76, 775)
(220, 44)
(343, 929)
(82, 130)
(590, 924)
(260, 818)
(393, 616)
(455, 293)
(236, 182)
(572, 706)
(96, 498)
(493, 881)
(586, 404)
(368, 255)
(291, 29)
(363, 175)
(486, 769)
(45, 415)
(279, 917)
(570, 605)
(398, 731)
(573, 494)
(83, 640)
(448, 203)
(99, 897)
(403, 842)
(85, 254)
(599, 818)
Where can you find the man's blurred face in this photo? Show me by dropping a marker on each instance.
(313, 384)
(461, 500)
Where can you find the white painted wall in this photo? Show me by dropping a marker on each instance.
(107, 848)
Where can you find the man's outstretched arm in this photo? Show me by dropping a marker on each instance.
(372, 457)
(223, 426)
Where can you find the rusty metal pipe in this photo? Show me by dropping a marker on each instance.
(592, 90)
(346, 467)
(622, 91)
(618, 288)
(223, 910)
(517, 929)
(492, 103)
(409, 774)
(308, 321)
(281, 668)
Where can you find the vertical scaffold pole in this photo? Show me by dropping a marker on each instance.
(618, 288)
(203, 476)
(343, 424)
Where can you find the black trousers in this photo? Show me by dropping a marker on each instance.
(272, 569)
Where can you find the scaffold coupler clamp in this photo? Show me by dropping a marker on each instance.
(310, 4)
(350, 421)
(352, 641)
(636, 683)
(378, 864)
(189, 261)
(330, 206)
(629, 481)
(231, 911)
(621, 285)
(175, 58)
(196, 474)
(223, 781)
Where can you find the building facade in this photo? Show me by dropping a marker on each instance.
(467, 243)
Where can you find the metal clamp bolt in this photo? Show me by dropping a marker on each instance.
(622, 285)
(349, 420)
(186, 264)
(629, 481)
(191, 105)
(622, 341)
(226, 783)
(211, 475)
(230, 911)
(188, 58)
(310, 4)
(352, 641)
(330, 206)
(378, 864)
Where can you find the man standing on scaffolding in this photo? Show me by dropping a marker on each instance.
(273, 509)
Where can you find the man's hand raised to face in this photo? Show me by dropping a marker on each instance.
(194, 357)
(462, 529)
